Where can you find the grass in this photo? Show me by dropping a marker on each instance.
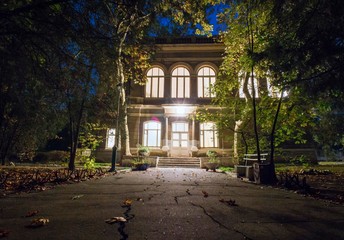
(332, 166)
(226, 169)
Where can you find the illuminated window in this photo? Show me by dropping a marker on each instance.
(208, 135)
(151, 134)
(180, 134)
(155, 83)
(180, 83)
(246, 86)
(206, 79)
(110, 138)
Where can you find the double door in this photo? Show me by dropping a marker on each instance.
(180, 139)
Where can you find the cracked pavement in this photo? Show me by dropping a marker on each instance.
(171, 204)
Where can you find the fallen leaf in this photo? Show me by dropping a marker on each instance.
(31, 213)
(127, 203)
(229, 202)
(38, 222)
(205, 194)
(115, 220)
(4, 233)
(77, 197)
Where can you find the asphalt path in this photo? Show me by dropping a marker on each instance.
(170, 204)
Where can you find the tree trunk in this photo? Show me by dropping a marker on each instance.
(121, 80)
(75, 129)
(235, 144)
(272, 138)
(251, 46)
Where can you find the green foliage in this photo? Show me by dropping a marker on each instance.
(90, 163)
(226, 169)
(213, 156)
(139, 161)
(143, 150)
(90, 136)
(249, 41)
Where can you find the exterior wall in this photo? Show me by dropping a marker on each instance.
(191, 55)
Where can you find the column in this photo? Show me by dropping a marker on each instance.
(166, 131)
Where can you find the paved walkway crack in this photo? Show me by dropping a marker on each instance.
(218, 222)
(128, 217)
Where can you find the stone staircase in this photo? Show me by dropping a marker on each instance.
(178, 162)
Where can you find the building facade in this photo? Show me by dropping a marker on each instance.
(161, 114)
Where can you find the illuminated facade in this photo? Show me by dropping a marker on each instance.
(161, 113)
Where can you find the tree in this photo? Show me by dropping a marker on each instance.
(308, 48)
(72, 55)
(243, 85)
(30, 38)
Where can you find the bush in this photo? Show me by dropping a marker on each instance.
(90, 163)
(143, 151)
(52, 156)
(58, 156)
(41, 157)
(213, 156)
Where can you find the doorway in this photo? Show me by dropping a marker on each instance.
(180, 139)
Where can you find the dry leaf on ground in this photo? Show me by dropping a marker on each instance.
(229, 202)
(38, 222)
(205, 194)
(77, 197)
(115, 220)
(127, 203)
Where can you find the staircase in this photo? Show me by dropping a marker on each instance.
(178, 162)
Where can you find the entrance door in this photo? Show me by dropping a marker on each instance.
(180, 139)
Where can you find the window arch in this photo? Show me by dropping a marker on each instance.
(206, 78)
(180, 83)
(208, 135)
(155, 83)
(152, 134)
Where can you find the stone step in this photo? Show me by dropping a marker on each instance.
(165, 162)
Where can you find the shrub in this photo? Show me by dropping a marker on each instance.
(213, 156)
(143, 150)
(41, 157)
(90, 163)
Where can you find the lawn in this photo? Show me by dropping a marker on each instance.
(326, 180)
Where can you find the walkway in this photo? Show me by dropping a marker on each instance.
(171, 204)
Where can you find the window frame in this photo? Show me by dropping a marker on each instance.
(202, 91)
(203, 136)
(177, 80)
(152, 79)
(147, 131)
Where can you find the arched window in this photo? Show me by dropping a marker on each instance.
(152, 134)
(208, 135)
(155, 83)
(180, 83)
(206, 79)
